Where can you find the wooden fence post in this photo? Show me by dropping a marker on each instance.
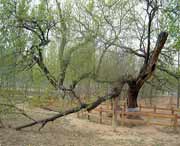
(175, 121)
(172, 111)
(154, 108)
(122, 116)
(114, 118)
(100, 115)
(88, 115)
(111, 104)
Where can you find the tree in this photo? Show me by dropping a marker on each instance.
(173, 15)
(94, 27)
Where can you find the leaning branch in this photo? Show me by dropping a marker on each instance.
(148, 69)
(115, 93)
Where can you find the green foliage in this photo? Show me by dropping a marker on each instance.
(80, 33)
(90, 6)
(172, 12)
(22, 9)
(82, 61)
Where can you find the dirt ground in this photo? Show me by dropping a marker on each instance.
(71, 131)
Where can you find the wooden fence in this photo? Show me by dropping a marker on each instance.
(156, 109)
(153, 113)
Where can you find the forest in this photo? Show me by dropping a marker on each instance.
(60, 58)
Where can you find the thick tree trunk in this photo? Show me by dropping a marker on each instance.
(145, 73)
(132, 101)
(133, 91)
(132, 97)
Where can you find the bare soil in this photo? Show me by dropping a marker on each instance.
(71, 131)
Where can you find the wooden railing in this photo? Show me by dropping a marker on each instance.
(171, 118)
(156, 109)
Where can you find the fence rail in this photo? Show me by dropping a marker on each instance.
(170, 119)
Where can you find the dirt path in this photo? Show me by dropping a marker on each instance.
(71, 131)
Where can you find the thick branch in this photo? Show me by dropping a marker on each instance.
(151, 10)
(147, 70)
(115, 93)
(88, 107)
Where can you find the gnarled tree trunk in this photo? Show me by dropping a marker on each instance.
(132, 97)
(145, 73)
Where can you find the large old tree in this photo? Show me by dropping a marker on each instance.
(99, 26)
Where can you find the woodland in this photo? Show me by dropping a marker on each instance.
(85, 52)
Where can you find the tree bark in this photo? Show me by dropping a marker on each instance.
(145, 73)
(132, 97)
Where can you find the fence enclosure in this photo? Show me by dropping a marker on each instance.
(147, 115)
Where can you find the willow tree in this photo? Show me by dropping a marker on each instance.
(97, 26)
(173, 14)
